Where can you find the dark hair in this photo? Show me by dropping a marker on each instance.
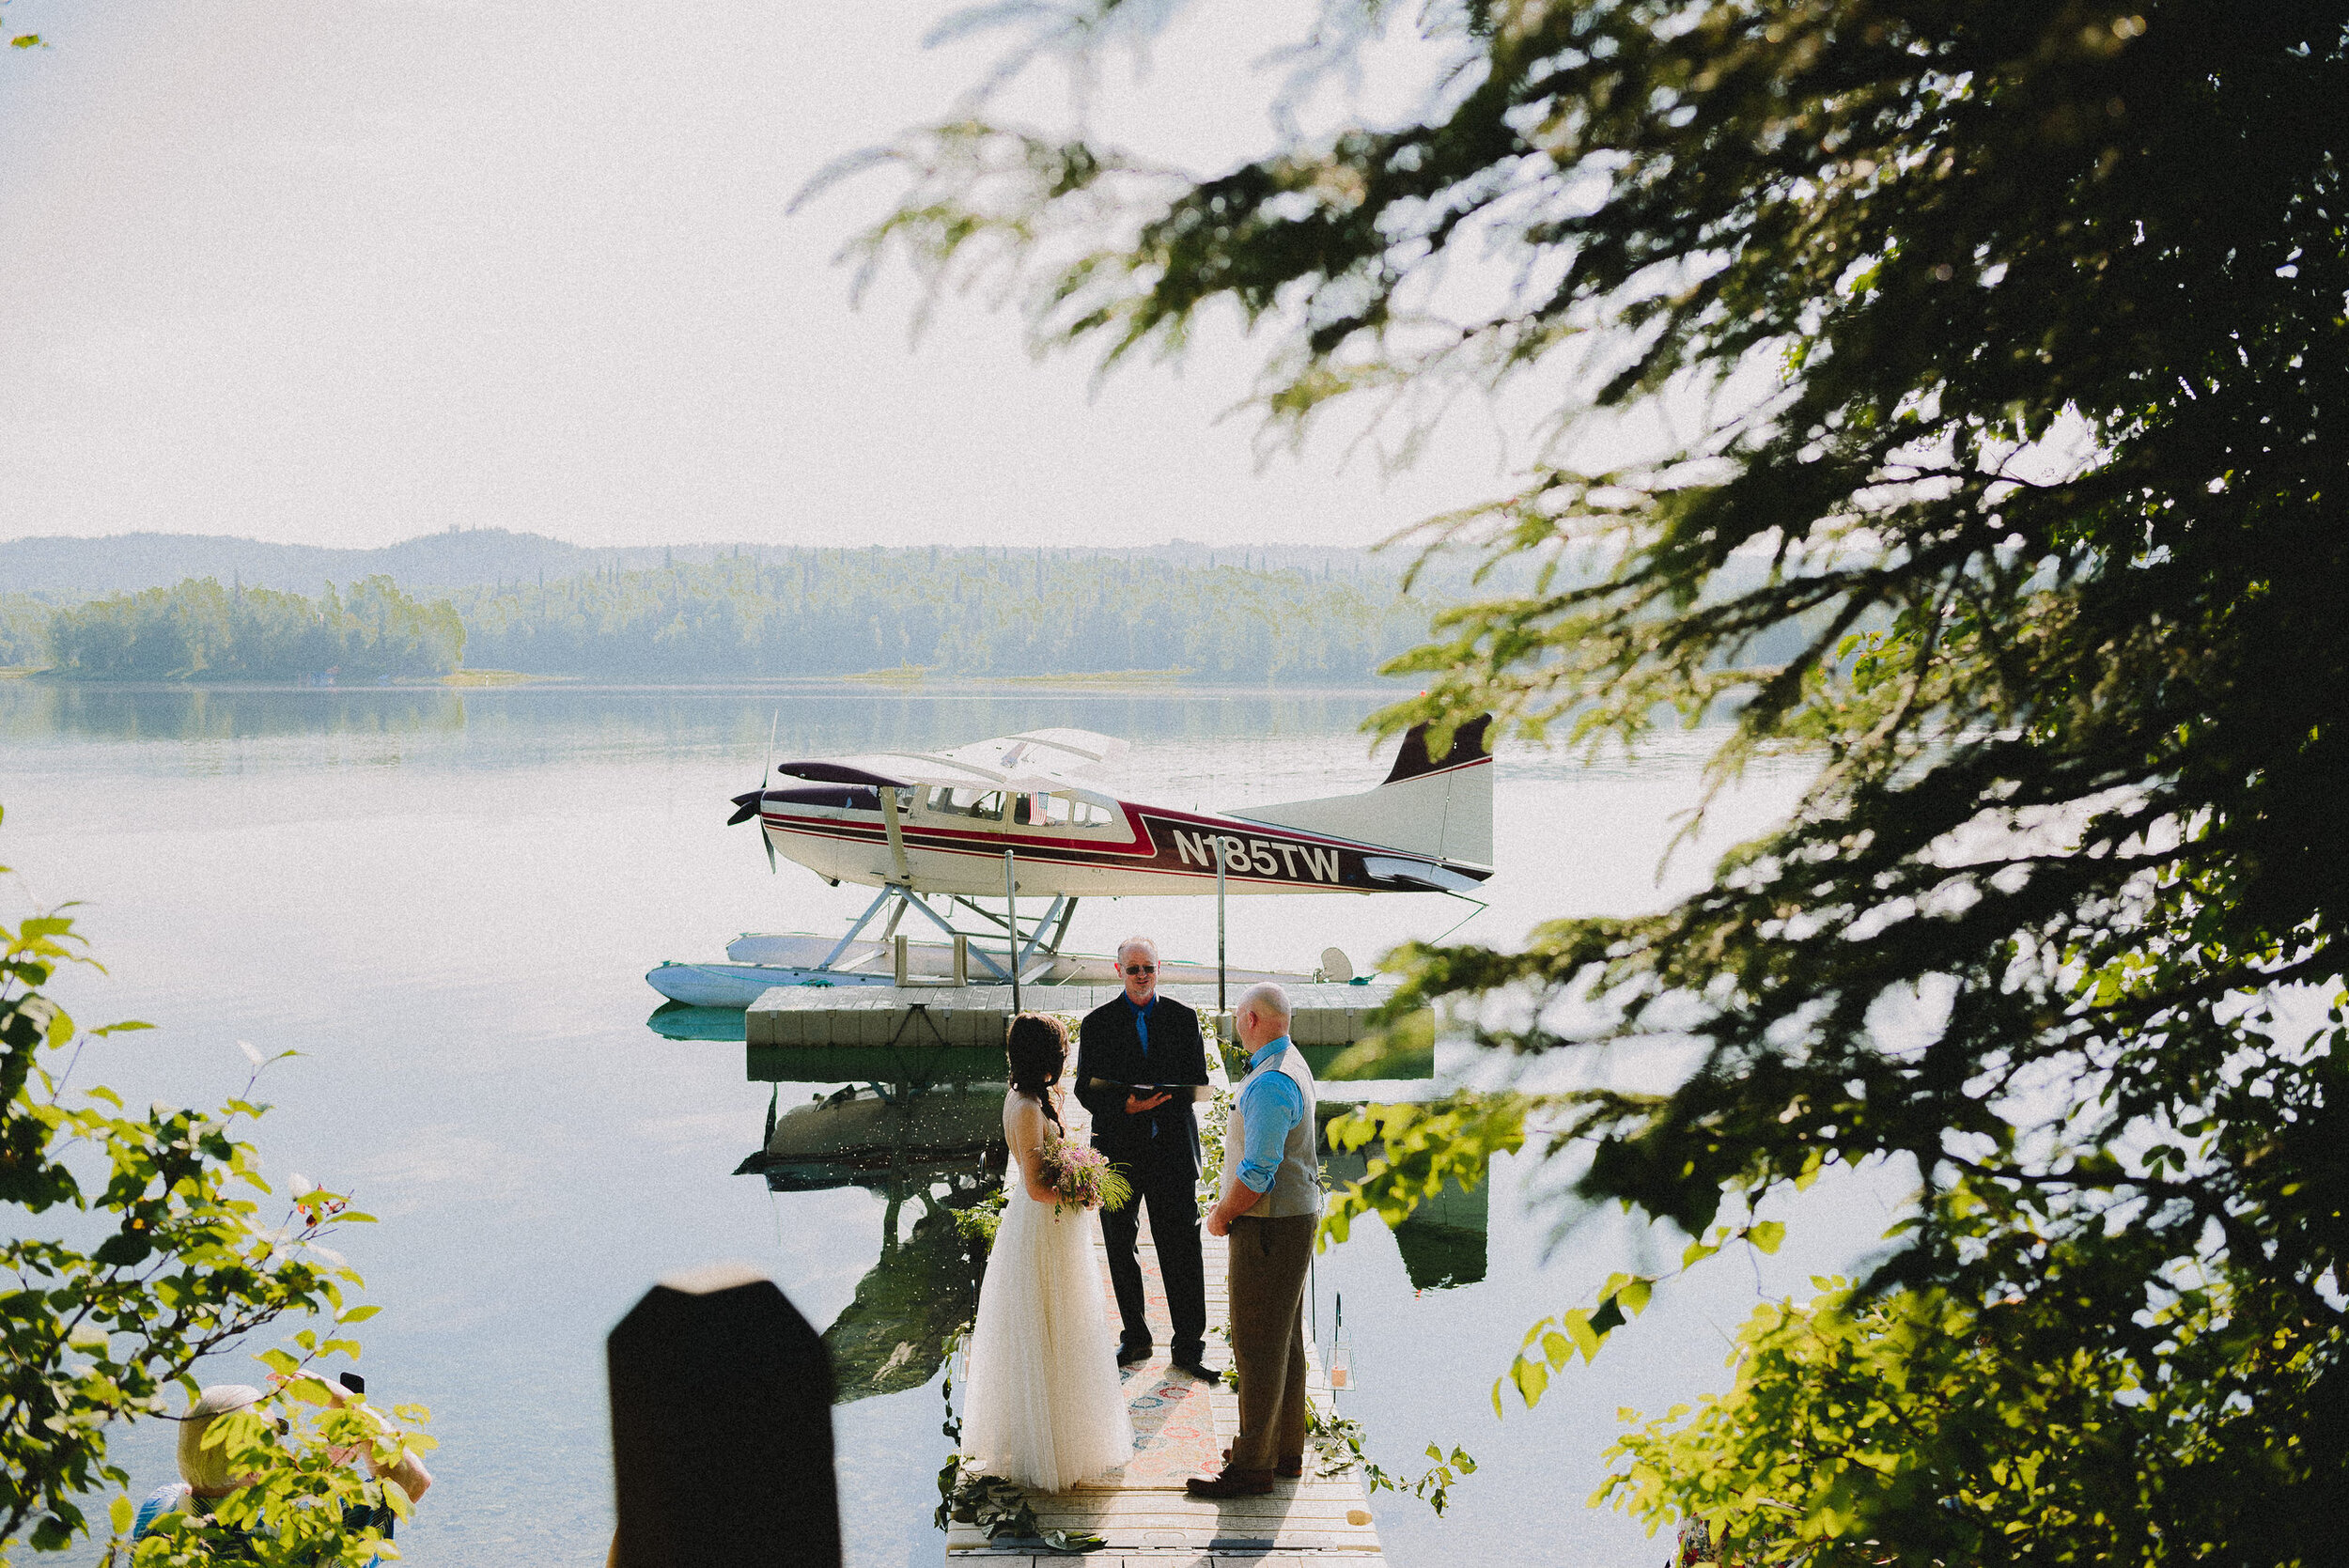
(1036, 1046)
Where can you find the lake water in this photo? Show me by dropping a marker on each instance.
(446, 901)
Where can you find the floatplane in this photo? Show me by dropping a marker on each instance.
(946, 834)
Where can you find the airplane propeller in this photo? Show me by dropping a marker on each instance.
(746, 806)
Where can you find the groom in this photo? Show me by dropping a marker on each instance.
(1144, 1038)
(1269, 1209)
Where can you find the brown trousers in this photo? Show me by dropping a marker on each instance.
(1268, 1261)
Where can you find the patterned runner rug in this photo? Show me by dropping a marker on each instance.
(1174, 1433)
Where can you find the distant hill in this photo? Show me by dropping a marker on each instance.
(60, 570)
(140, 606)
(72, 568)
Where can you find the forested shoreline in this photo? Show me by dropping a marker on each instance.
(201, 630)
(978, 613)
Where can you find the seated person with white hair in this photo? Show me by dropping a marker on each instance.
(205, 1479)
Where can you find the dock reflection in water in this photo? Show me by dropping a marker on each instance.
(928, 1133)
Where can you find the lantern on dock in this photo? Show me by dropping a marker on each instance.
(1341, 1351)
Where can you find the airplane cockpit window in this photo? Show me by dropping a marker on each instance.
(1027, 810)
(1043, 811)
(969, 802)
(1060, 811)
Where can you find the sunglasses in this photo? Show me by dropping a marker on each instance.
(1142, 969)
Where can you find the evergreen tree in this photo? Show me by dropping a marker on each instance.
(1999, 354)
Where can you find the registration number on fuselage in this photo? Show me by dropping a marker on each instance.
(1295, 863)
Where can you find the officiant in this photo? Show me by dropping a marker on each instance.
(1146, 1040)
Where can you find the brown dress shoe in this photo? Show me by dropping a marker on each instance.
(1288, 1470)
(1231, 1484)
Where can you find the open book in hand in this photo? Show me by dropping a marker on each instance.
(1144, 1090)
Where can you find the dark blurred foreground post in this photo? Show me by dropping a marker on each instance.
(722, 1428)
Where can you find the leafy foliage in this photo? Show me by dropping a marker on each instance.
(24, 630)
(997, 1506)
(202, 630)
(2064, 1460)
(1215, 1125)
(979, 1220)
(306, 1505)
(1421, 1146)
(2009, 338)
(1001, 1509)
(183, 1264)
(1338, 1447)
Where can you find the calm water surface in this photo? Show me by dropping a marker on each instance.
(446, 902)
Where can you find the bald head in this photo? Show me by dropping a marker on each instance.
(1261, 1016)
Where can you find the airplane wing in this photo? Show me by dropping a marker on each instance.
(1057, 751)
(1032, 762)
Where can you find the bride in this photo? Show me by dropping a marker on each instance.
(1045, 1407)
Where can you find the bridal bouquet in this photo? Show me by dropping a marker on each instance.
(1083, 1176)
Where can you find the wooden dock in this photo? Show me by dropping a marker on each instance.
(1143, 1513)
(1326, 1018)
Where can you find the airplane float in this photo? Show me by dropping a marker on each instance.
(1016, 817)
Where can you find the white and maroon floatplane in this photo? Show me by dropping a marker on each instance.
(1013, 818)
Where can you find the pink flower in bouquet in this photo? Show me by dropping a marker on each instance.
(1083, 1177)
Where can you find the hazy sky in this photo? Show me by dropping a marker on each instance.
(341, 271)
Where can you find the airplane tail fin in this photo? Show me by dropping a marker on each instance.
(1440, 808)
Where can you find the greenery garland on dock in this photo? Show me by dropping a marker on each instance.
(997, 1506)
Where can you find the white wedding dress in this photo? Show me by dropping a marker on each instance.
(1044, 1405)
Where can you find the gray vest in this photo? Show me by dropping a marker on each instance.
(1297, 1180)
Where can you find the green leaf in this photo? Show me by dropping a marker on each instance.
(1768, 1234)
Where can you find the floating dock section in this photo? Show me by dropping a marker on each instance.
(1323, 1019)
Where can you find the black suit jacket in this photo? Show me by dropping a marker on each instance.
(1109, 1046)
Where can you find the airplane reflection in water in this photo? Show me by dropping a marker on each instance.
(937, 1145)
(929, 1137)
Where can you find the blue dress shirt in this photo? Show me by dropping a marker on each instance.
(1141, 1011)
(1269, 1105)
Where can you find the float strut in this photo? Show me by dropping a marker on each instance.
(1221, 1005)
(1011, 914)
